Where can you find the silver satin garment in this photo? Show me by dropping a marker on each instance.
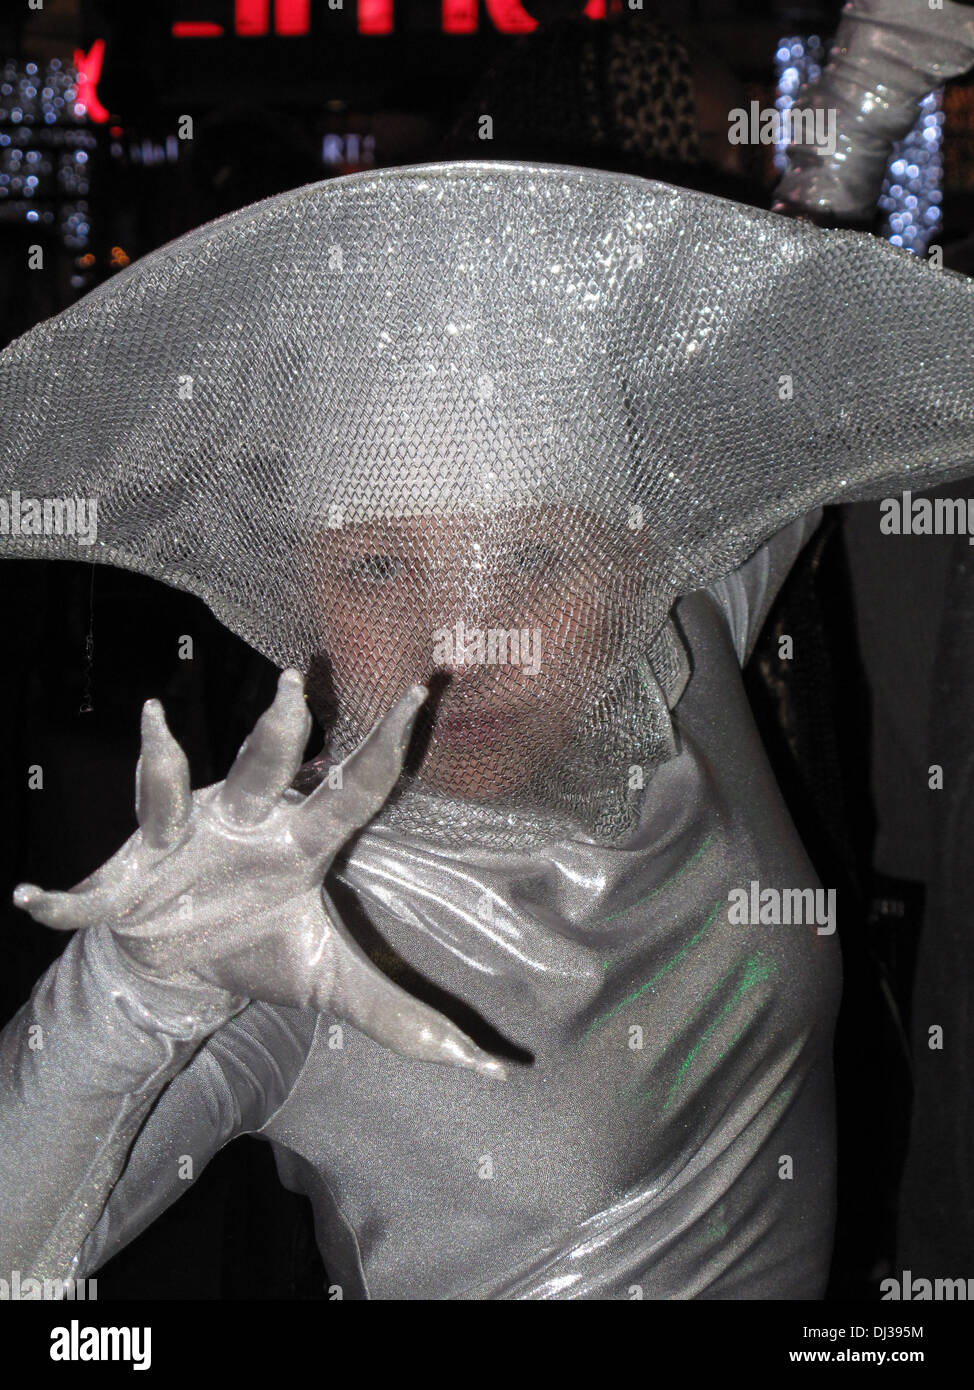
(527, 345)
(616, 1169)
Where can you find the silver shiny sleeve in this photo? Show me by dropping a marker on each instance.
(746, 595)
(233, 1085)
(81, 1065)
(887, 55)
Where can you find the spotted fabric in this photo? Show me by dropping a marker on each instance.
(653, 102)
(586, 88)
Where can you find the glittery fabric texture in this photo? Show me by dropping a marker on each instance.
(493, 419)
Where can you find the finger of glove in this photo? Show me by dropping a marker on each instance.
(101, 896)
(394, 1019)
(162, 795)
(330, 814)
(63, 911)
(270, 757)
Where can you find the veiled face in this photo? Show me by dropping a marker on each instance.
(510, 617)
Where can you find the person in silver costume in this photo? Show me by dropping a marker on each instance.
(646, 1110)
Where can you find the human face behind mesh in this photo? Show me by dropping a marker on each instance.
(537, 593)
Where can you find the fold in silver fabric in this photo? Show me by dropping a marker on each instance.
(493, 420)
(495, 416)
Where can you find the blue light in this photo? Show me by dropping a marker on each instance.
(796, 61)
(911, 188)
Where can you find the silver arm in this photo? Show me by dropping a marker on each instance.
(216, 899)
(887, 55)
(234, 1085)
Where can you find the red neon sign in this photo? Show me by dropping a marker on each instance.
(375, 16)
(89, 71)
(196, 29)
(251, 16)
(460, 16)
(292, 18)
(510, 17)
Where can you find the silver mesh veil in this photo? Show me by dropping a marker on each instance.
(489, 420)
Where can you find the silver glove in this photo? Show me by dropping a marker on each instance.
(219, 892)
(887, 55)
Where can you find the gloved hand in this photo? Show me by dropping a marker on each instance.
(887, 55)
(222, 888)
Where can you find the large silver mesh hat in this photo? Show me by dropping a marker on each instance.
(488, 420)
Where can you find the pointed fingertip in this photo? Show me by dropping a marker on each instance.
(291, 679)
(489, 1066)
(25, 893)
(290, 696)
(412, 700)
(153, 716)
(466, 1054)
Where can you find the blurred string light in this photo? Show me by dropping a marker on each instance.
(46, 152)
(912, 193)
(798, 60)
(348, 151)
(912, 189)
(32, 97)
(48, 149)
